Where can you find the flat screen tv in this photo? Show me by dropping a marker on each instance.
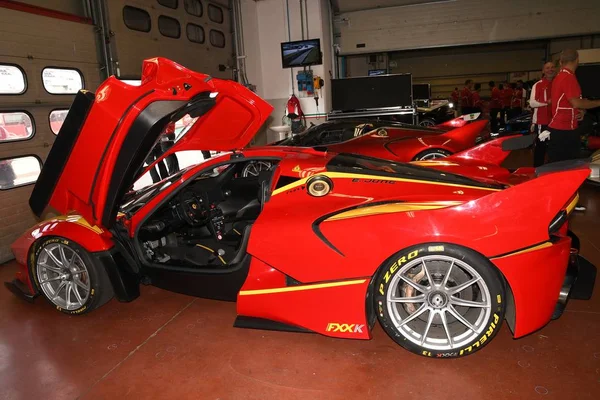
(301, 53)
(421, 91)
(588, 76)
(364, 93)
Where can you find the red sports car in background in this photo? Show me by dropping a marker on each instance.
(392, 140)
(319, 241)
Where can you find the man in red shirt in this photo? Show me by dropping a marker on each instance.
(566, 102)
(477, 103)
(540, 101)
(466, 98)
(455, 97)
(495, 106)
(506, 93)
(516, 103)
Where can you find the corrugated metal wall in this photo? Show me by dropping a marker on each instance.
(33, 42)
(447, 68)
(464, 22)
(132, 47)
(75, 7)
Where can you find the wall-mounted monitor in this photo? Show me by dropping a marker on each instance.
(377, 72)
(301, 53)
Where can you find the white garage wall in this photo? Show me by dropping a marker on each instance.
(462, 22)
(265, 27)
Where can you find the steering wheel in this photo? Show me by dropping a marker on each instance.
(192, 208)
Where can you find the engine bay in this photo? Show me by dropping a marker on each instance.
(204, 224)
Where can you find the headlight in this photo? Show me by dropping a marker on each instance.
(451, 105)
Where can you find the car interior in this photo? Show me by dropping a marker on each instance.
(325, 134)
(206, 223)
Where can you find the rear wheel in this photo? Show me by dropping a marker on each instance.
(68, 278)
(440, 301)
(428, 122)
(431, 154)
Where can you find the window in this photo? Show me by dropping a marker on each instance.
(62, 80)
(172, 134)
(193, 7)
(217, 38)
(132, 82)
(195, 33)
(215, 14)
(169, 27)
(169, 3)
(15, 126)
(19, 171)
(136, 19)
(12, 80)
(56, 118)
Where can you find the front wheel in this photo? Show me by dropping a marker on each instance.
(67, 276)
(440, 301)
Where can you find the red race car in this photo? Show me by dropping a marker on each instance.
(319, 242)
(393, 140)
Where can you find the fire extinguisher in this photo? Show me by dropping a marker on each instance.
(295, 114)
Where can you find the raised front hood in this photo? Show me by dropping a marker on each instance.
(106, 137)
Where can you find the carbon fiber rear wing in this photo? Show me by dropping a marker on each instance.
(518, 142)
(568, 165)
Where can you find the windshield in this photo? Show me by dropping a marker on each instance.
(135, 199)
(328, 133)
(173, 163)
(373, 166)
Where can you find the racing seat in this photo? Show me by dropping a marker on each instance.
(252, 209)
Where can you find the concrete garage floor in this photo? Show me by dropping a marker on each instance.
(169, 346)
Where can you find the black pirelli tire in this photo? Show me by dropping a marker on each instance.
(68, 277)
(439, 300)
(431, 154)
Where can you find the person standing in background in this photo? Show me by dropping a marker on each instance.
(466, 98)
(517, 102)
(477, 103)
(506, 100)
(567, 106)
(455, 96)
(495, 106)
(540, 101)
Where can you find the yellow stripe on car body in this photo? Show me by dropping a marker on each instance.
(301, 287)
(392, 208)
(344, 175)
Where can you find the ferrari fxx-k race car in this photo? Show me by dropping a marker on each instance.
(392, 140)
(322, 242)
